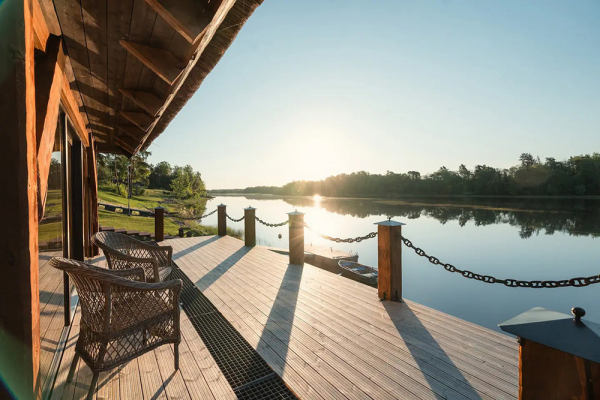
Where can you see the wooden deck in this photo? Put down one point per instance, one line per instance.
(331, 338)
(326, 336)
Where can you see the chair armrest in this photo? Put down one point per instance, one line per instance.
(121, 261)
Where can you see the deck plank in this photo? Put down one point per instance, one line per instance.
(313, 317)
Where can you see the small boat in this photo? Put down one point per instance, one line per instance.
(358, 272)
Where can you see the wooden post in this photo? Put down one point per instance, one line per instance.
(296, 237)
(389, 260)
(159, 224)
(222, 220)
(249, 226)
(19, 286)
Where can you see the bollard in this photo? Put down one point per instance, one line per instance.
(389, 260)
(249, 226)
(222, 220)
(296, 237)
(180, 232)
(159, 224)
(559, 355)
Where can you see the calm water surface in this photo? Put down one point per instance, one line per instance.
(543, 240)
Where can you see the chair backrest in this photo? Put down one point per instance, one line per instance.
(116, 242)
(92, 287)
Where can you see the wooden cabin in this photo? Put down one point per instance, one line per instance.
(78, 78)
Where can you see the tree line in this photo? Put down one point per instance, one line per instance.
(113, 172)
(576, 176)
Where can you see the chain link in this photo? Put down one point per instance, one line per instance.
(576, 282)
(271, 225)
(338, 240)
(233, 219)
(192, 218)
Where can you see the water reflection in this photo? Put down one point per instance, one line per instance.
(529, 217)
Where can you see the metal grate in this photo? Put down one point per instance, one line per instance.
(245, 370)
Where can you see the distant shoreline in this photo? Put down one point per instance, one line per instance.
(414, 196)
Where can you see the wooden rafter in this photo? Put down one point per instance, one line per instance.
(132, 131)
(40, 28)
(188, 17)
(141, 120)
(146, 100)
(162, 62)
(125, 144)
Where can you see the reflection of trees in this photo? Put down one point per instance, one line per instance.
(530, 216)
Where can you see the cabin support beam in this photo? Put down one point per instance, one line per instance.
(19, 286)
(93, 186)
(162, 62)
(188, 17)
(48, 85)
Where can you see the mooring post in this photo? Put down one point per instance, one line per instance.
(249, 226)
(159, 224)
(222, 220)
(389, 260)
(296, 222)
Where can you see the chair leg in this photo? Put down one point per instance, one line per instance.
(73, 367)
(176, 356)
(90, 395)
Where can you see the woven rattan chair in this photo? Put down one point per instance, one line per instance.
(122, 317)
(124, 252)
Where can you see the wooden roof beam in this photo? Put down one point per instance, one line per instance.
(72, 109)
(146, 100)
(132, 131)
(188, 17)
(40, 28)
(140, 120)
(162, 62)
(124, 143)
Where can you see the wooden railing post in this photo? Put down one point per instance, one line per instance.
(389, 260)
(222, 224)
(296, 237)
(159, 224)
(250, 226)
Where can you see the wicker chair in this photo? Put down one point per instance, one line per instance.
(123, 252)
(122, 317)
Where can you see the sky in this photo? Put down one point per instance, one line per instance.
(313, 88)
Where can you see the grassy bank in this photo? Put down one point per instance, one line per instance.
(149, 200)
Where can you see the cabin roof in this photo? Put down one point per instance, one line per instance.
(135, 63)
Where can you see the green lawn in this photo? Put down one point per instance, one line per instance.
(142, 224)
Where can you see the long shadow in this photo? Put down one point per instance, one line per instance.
(195, 247)
(285, 302)
(411, 329)
(214, 274)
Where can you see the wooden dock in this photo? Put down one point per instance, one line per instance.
(326, 336)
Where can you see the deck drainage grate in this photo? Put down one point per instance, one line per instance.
(245, 370)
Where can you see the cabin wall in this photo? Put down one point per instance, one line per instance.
(34, 82)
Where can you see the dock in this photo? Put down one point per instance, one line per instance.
(327, 337)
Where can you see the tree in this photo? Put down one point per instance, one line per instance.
(527, 160)
(187, 183)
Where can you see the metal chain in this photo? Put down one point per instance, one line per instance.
(194, 218)
(338, 240)
(271, 225)
(576, 282)
(235, 220)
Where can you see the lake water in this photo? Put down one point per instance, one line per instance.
(524, 239)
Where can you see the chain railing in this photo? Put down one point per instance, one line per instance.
(339, 240)
(271, 225)
(576, 282)
(235, 220)
(191, 218)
